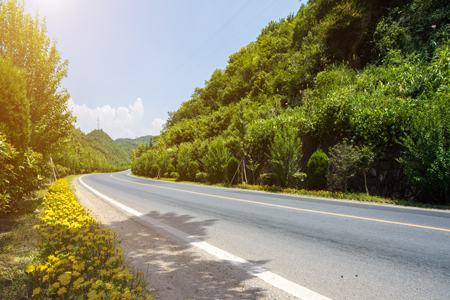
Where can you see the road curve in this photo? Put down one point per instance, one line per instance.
(342, 250)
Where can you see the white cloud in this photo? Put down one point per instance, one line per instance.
(121, 122)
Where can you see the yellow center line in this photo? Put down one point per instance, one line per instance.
(289, 207)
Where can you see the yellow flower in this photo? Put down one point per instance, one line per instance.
(55, 285)
(96, 284)
(36, 291)
(29, 269)
(139, 289)
(64, 279)
(92, 295)
(108, 286)
(148, 297)
(62, 291)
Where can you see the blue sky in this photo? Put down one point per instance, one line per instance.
(130, 62)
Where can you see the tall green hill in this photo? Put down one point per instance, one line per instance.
(103, 139)
(370, 71)
(83, 154)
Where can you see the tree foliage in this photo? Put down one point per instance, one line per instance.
(232, 170)
(344, 159)
(24, 40)
(427, 159)
(318, 170)
(359, 70)
(285, 152)
(216, 160)
(15, 108)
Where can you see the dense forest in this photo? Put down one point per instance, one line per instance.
(128, 144)
(38, 139)
(345, 95)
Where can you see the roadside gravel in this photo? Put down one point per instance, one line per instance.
(176, 270)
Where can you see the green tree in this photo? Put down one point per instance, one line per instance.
(216, 160)
(25, 41)
(252, 166)
(148, 160)
(232, 170)
(344, 159)
(7, 154)
(365, 164)
(15, 115)
(184, 158)
(318, 170)
(164, 161)
(155, 171)
(286, 152)
(193, 170)
(140, 150)
(427, 157)
(170, 169)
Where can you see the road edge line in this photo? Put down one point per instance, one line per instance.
(269, 277)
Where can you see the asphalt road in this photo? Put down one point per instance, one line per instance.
(339, 249)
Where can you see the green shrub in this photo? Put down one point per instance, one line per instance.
(427, 158)
(163, 161)
(148, 160)
(193, 170)
(184, 158)
(155, 171)
(166, 175)
(299, 180)
(286, 151)
(170, 169)
(267, 179)
(232, 170)
(318, 170)
(216, 160)
(202, 177)
(344, 159)
(174, 175)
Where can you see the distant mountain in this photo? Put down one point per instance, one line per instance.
(85, 153)
(129, 144)
(105, 141)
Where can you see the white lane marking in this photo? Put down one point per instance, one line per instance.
(269, 277)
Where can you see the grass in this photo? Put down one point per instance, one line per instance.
(360, 197)
(18, 241)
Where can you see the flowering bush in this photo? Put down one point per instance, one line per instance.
(79, 259)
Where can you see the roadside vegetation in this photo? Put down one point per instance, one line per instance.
(53, 249)
(38, 139)
(365, 83)
(349, 196)
(18, 240)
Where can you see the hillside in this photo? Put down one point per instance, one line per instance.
(82, 154)
(103, 139)
(129, 144)
(364, 74)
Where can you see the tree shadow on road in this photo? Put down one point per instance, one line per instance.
(177, 269)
